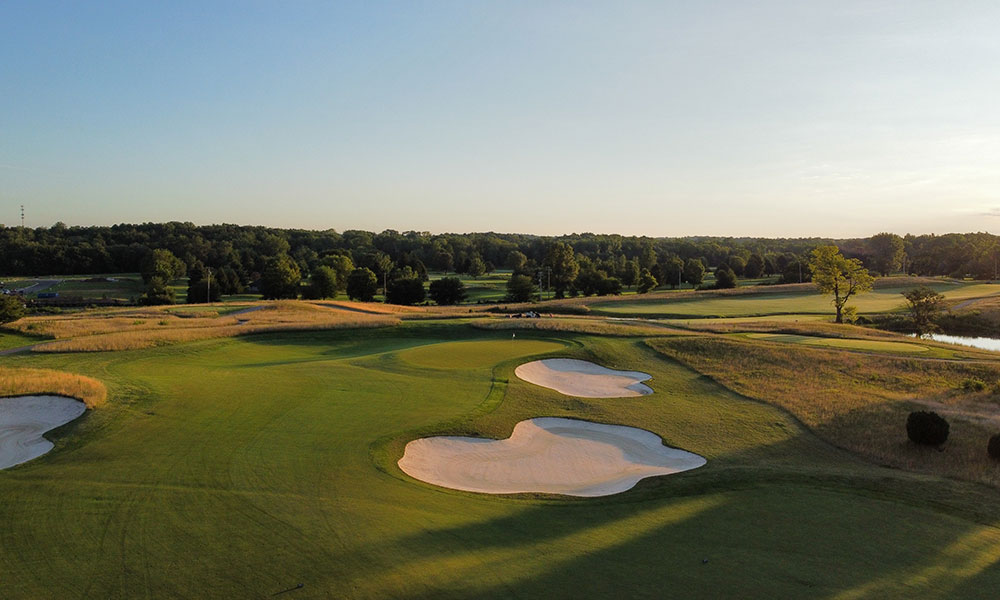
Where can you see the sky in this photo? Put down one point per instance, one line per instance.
(664, 118)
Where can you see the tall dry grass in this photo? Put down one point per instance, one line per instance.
(860, 402)
(15, 381)
(145, 329)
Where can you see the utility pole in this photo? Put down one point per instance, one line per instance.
(548, 283)
(540, 285)
(800, 270)
(22, 216)
(209, 280)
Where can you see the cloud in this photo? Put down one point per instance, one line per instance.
(991, 212)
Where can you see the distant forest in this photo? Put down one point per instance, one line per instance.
(241, 253)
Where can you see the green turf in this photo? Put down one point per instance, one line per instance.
(240, 468)
(880, 300)
(471, 355)
(10, 339)
(841, 343)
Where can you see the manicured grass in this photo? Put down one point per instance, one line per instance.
(842, 343)
(10, 339)
(471, 355)
(242, 467)
(879, 300)
(123, 287)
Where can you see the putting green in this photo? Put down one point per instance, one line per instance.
(841, 343)
(473, 355)
(239, 468)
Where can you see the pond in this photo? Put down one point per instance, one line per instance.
(985, 343)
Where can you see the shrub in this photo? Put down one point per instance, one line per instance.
(973, 385)
(993, 448)
(927, 428)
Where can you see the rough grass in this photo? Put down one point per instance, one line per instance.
(116, 331)
(30, 382)
(842, 343)
(860, 402)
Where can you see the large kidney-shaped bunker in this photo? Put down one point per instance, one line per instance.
(23, 420)
(584, 379)
(547, 454)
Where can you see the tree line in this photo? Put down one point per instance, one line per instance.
(228, 259)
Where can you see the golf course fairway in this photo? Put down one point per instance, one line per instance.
(241, 468)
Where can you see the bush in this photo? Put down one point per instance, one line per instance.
(927, 428)
(973, 385)
(993, 448)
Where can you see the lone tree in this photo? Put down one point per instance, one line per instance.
(11, 308)
(406, 291)
(925, 305)
(280, 279)
(323, 282)
(520, 288)
(840, 276)
(562, 261)
(362, 285)
(447, 291)
(694, 271)
(725, 278)
(646, 281)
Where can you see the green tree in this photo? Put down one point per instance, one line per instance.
(840, 276)
(725, 278)
(476, 267)
(157, 292)
(694, 271)
(925, 305)
(342, 267)
(202, 291)
(886, 252)
(163, 264)
(561, 260)
(736, 264)
(323, 282)
(520, 288)
(672, 269)
(281, 278)
(11, 308)
(630, 273)
(447, 291)
(754, 267)
(515, 260)
(646, 281)
(406, 291)
(362, 284)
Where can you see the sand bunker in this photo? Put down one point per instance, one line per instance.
(547, 454)
(584, 379)
(24, 419)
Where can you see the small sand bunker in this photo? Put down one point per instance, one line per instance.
(24, 419)
(548, 454)
(584, 379)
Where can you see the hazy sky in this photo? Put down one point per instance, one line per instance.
(660, 118)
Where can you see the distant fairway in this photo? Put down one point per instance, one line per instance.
(842, 343)
(241, 467)
(766, 303)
